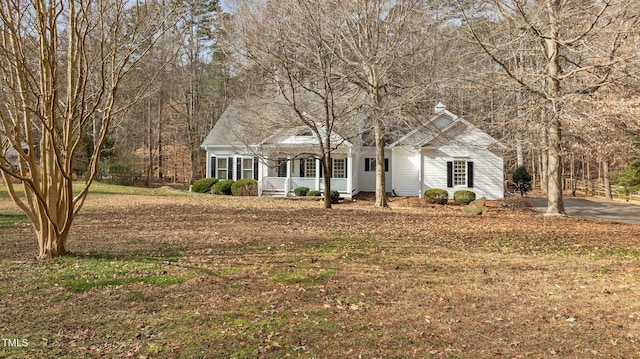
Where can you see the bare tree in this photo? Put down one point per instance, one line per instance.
(376, 43)
(291, 44)
(62, 63)
(577, 53)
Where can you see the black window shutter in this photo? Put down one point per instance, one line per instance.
(255, 168)
(386, 165)
(229, 167)
(367, 164)
(302, 167)
(449, 174)
(321, 168)
(470, 174)
(238, 168)
(214, 162)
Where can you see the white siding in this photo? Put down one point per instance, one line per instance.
(488, 175)
(434, 170)
(406, 172)
(367, 180)
(487, 172)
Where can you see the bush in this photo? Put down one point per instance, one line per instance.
(522, 180)
(301, 191)
(464, 196)
(436, 196)
(203, 185)
(313, 193)
(222, 187)
(244, 187)
(335, 196)
(119, 174)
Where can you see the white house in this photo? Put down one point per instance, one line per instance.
(445, 152)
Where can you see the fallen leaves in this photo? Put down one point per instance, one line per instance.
(273, 277)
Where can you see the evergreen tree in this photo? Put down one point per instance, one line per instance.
(522, 180)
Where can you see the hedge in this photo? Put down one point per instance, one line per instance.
(244, 187)
(436, 196)
(203, 185)
(464, 196)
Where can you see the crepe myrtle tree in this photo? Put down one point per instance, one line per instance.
(62, 64)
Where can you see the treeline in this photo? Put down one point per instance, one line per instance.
(556, 81)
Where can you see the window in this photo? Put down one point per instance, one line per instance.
(247, 167)
(370, 165)
(282, 167)
(309, 167)
(222, 168)
(213, 167)
(459, 173)
(339, 168)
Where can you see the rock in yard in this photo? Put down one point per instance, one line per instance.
(474, 208)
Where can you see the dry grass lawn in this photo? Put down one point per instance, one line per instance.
(202, 276)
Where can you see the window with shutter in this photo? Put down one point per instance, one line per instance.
(213, 167)
(459, 173)
(370, 165)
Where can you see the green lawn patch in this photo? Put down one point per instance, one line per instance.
(81, 273)
(10, 219)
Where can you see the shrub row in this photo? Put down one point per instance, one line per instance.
(203, 185)
(241, 187)
(441, 196)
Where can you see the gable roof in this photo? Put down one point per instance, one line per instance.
(226, 124)
(262, 123)
(446, 128)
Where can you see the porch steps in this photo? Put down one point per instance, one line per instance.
(272, 193)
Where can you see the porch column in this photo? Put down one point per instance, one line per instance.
(317, 174)
(287, 181)
(261, 175)
(349, 173)
(421, 174)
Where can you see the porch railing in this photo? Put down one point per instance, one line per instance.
(286, 185)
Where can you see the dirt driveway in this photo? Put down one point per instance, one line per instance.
(594, 208)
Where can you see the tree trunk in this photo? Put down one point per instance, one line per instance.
(381, 186)
(607, 181)
(160, 164)
(552, 52)
(519, 154)
(544, 172)
(50, 243)
(147, 181)
(555, 205)
(326, 168)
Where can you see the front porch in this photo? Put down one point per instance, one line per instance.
(285, 186)
(282, 175)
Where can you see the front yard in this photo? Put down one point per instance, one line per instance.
(202, 276)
